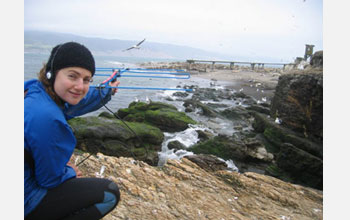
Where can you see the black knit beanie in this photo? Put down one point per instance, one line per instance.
(69, 54)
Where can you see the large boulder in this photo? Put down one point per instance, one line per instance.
(294, 129)
(112, 137)
(302, 167)
(277, 135)
(298, 102)
(248, 154)
(298, 159)
(205, 110)
(207, 162)
(164, 116)
(237, 113)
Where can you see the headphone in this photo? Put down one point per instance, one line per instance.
(49, 74)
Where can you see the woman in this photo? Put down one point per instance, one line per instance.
(54, 188)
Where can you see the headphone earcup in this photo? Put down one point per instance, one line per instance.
(48, 75)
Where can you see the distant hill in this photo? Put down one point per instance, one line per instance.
(38, 41)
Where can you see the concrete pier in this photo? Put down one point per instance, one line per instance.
(232, 63)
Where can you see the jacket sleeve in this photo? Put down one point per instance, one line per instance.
(93, 100)
(52, 144)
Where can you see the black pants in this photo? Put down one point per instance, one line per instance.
(78, 198)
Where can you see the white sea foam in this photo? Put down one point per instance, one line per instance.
(187, 137)
(231, 165)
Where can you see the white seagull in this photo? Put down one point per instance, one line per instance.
(278, 121)
(137, 46)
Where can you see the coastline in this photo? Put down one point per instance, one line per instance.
(258, 84)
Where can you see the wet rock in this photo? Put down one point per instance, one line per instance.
(182, 190)
(220, 146)
(205, 94)
(303, 168)
(259, 108)
(217, 105)
(205, 99)
(204, 135)
(112, 137)
(236, 113)
(240, 95)
(256, 149)
(296, 142)
(189, 109)
(169, 120)
(181, 94)
(208, 162)
(169, 99)
(176, 145)
(299, 159)
(246, 157)
(106, 115)
(191, 105)
(162, 115)
(298, 101)
(278, 135)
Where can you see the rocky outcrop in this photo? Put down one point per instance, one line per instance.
(161, 115)
(291, 150)
(277, 135)
(298, 159)
(298, 102)
(304, 168)
(176, 145)
(297, 139)
(140, 136)
(182, 190)
(191, 105)
(247, 154)
(208, 162)
(112, 137)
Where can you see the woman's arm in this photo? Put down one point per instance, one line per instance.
(51, 143)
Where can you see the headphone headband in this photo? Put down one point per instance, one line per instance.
(51, 72)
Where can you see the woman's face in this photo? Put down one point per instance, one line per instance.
(72, 84)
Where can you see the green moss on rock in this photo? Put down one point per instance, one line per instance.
(113, 137)
(168, 119)
(275, 171)
(218, 146)
(162, 115)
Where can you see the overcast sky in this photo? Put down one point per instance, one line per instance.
(271, 28)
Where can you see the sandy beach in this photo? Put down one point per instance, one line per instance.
(258, 84)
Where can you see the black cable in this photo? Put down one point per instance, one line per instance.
(117, 117)
(84, 159)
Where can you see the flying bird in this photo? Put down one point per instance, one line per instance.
(137, 46)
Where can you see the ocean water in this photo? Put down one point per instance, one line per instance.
(33, 62)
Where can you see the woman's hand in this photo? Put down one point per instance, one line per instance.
(114, 84)
(79, 174)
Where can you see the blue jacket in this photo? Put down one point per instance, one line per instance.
(50, 140)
